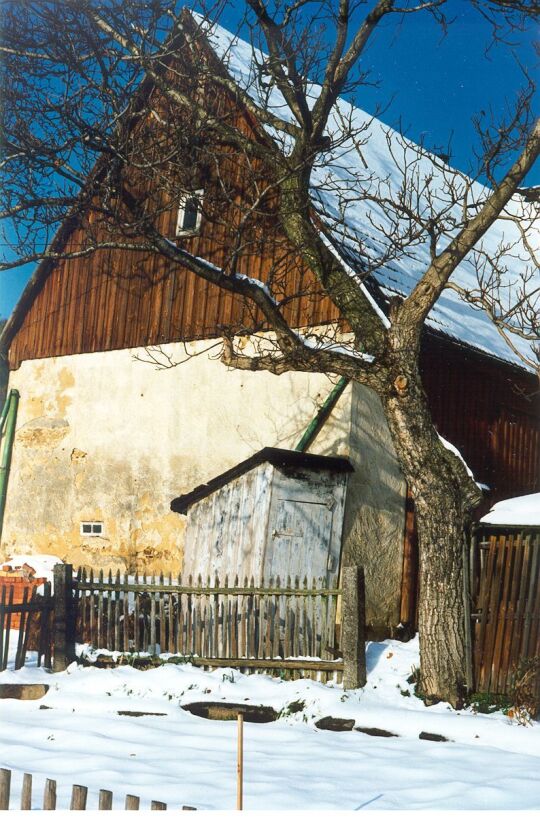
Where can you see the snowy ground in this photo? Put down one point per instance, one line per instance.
(491, 763)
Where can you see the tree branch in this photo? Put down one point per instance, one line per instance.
(416, 307)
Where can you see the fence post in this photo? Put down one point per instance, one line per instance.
(79, 795)
(132, 802)
(5, 784)
(64, 626)
(105, 800)
(49, 795)
(26, 793)
(353, 639)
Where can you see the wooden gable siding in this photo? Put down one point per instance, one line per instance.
(115, 299)
(489, 411)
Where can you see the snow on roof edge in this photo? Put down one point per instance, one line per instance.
(519, 511)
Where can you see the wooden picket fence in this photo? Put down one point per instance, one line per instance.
(234, 624)
(79, 797)
(505, 585)
(32, 616)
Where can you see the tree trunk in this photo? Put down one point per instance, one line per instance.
(444, 496)
(441, 614)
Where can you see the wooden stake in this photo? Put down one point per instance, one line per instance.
(5, 784)
(157, 805)
(79, 795)
(26, 793)
(49, 795)
(132, 802)
(105, 800)
(240, 764)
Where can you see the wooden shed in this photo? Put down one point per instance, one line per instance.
(277, 514)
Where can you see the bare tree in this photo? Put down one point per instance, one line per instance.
(116, 111)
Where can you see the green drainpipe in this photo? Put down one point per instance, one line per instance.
(322, 415)
(3, 416)
(8, 419)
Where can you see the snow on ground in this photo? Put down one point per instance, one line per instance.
(521, 510)
(490, 763)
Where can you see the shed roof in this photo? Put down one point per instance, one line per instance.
(519, 512)
(278, 457)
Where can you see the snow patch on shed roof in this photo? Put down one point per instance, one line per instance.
(522, 511)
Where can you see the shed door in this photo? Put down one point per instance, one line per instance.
(300, 534)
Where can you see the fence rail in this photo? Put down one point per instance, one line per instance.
(237, 621)
(505, 584)
(31, 616)
(79, 797)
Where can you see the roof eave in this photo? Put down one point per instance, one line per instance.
(278, 457)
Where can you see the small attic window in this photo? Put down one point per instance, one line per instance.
(91, 528)
(189, 213)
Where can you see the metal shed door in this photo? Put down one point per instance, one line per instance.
(300, 535)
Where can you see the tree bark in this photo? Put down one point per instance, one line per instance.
(445, 496)
(443, 662)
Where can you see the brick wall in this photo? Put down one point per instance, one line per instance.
(19, 579)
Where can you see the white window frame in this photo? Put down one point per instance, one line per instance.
(92, 532)
(194, 194)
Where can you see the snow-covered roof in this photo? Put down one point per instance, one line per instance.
(521, 511)
(362, 224)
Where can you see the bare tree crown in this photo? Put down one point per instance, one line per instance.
(113, 111)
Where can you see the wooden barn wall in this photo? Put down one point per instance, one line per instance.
(490, 411)
(114, 299)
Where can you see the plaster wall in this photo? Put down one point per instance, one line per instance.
(105, 437)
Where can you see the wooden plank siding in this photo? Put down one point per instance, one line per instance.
(506, 604)
(115, 299)
(490, 411)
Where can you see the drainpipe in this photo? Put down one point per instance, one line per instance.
(322, 415)
(8, 419)
(5, 410)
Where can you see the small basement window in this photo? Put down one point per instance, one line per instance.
(189, 213)
(91, 528)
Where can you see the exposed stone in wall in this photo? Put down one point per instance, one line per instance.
(43, 432)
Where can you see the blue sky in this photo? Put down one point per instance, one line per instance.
(433, 85)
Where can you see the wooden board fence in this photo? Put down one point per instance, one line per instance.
(79, 797)
(32, 616)
(237, 621)
(505, 579)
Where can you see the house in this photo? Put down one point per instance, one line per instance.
(110, 429)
